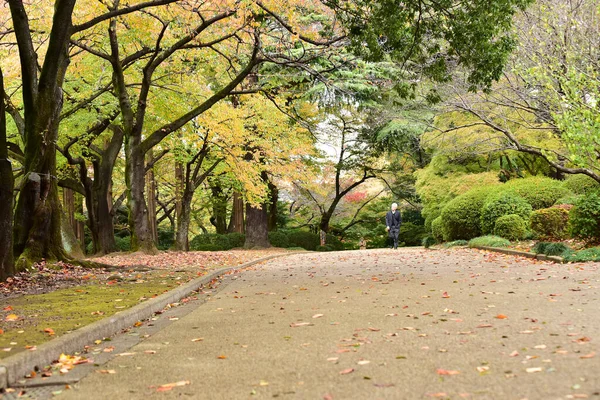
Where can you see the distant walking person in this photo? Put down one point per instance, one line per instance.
(393, 220)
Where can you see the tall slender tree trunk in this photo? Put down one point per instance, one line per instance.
(103, 214)
(183, 222)
(257, 223)
(273, 199)
(219, 217)
(179, 184)
(79, 225)
(151, 196)
(135, 176)
(236, 221)
(6, 196)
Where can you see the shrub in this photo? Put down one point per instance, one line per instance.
(335, 243)
(591, 254)
(217, 242)
(304, 239)
(551, 249)
(279, 239)
(504, 203)
(568, 200)
(456, 243)
(325, 248)
(511, 227)
(166, 238)
(437, 229)
(489, 241)
(539, 192)
(461, 217)
(123, 243)
(584, 218)
(411, 234)
(428, 241)
(550, 223)
(581, 184)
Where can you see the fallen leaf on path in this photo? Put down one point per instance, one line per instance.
(439, 394)
(317, 315)
(109, 349)
(447, 372)
(150, 352)
(169, 386)
(363, 362)
(591, 355)
(346, 371)
(125, 354)
(535, 369)
(501, 316)
(263, 383)
(107, 371)
(484, 326)
(198, 339)
(445, 295)
(374, 329)
(514, 354)
(221, 357)
(297, 324)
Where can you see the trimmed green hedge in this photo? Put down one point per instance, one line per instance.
(511, 227)
(584, 218)
(279, 239)
(581, 184)
(461, 217)
(217, 242)
(502, 204)
(591, 254)
(539, 192)
(437, 229)
(411, 234)
(550, 223)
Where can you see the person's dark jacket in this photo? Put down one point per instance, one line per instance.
(393, 220)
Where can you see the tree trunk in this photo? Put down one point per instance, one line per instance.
(79, 225)
(135, 175)
(179, 183)
(257, 227)
(219, 217)
(236, 221)
(324, 227)
(6, 197)
(273, 199)
(183, 222)
(151, 196)
(38, 233)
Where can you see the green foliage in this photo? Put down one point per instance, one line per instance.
(413, 216)
(550, 223)
(279, 239)
(511, 227)
(306, 240)
(166, 238)
(461, 218)
(437, 229)
(489, 241)
(411, 234)
(568, 200)
(325, 248)
(456, 243)
(540, 192)
(217, 242)
(581, 184)
(584, 218)
(428, 241)
(591, 254)
(551, 249)
(333, 242)
(501, 204)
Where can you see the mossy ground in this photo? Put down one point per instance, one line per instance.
(66, 310)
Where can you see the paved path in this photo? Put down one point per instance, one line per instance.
(376, 325)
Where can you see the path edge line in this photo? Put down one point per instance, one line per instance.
(16, 367)
(511, 252)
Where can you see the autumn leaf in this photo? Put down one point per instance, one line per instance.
(168, 386)
(297, 324)
(484, 326)
(221, 357)
(346, 371)
(107, 371)
(1, 331)
(446, 372)
(317, 315)
(591, 355)
(445, 295)
(198, 339)
(11, 317)
(49, 331)
(8, 308)
(501, 316)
